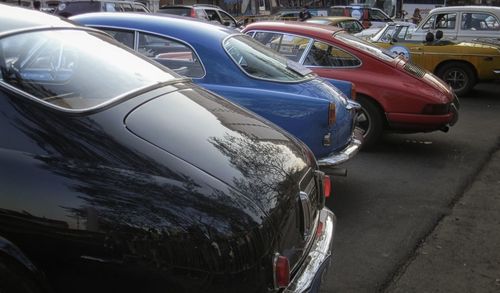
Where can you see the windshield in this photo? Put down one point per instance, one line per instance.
(74, 69)
(261, 62)
(365, 46)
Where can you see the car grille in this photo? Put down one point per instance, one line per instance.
(414, 69)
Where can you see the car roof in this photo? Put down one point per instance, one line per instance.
(184, 28)
(335, 19)
(306, 28)
(467, 8)
(15, 18)
(189, 6)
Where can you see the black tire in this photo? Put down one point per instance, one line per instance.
(459, 75)
(370, 121)
(16, 279)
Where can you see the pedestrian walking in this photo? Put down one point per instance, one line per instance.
(416, 18)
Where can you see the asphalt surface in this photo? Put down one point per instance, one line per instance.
(398, 195)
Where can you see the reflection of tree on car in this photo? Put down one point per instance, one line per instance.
(120, 175)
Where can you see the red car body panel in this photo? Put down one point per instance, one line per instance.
(401, 95)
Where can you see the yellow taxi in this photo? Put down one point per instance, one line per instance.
(461, 65)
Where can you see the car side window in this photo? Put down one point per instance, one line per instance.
(126, 7)
(351, 26)
(446, 21)
(227, 20)
(290, 46)
(200, 13)
(110, 7)
(123, 36)
(376, 15)
(213, 15)
(324, 55)
(172, 54)
(479, 21)
(429, 24)
(139, 8)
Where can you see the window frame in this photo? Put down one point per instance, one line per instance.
(136, 43)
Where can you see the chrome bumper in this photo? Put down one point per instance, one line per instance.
(347, 153)
(308, 278)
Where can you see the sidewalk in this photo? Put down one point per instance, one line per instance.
(462, 254)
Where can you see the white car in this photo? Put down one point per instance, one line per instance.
(460, 23)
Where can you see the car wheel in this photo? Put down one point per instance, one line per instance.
(460, 76)
(370, 121)
(13, 279)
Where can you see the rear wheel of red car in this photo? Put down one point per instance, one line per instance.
(460, 76)
(14, 279)
(370, 121)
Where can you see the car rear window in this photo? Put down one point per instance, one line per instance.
(73, 69)
(261, 62)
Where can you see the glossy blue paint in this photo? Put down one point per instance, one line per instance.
(301, 108)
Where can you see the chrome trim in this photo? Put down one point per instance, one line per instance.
(345, 154)
(306, 214)
(496, 71)
(318, 257)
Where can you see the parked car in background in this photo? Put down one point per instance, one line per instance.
(293, 14)
(202, 11)
(119, 175)
(368, 16)
(460, 64)
(350, 24)
(460, 23)
(70, 8)
(369, 33)
(394, 94)
(235, 66)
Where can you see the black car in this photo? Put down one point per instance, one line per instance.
(206, 12)
(118, 175)
(70, 8)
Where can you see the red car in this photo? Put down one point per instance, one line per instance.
(394, 93)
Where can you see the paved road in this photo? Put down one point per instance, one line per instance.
(395, 195)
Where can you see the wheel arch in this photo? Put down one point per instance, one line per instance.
(464, 62)
(377, 104)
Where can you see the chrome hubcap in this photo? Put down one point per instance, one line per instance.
(363, 122)
(457, 79)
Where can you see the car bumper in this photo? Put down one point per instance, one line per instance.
(316, 264)
(345, 154)
(422, 122)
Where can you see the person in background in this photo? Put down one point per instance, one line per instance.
(416, 18)
(304, 13)
(37, 5)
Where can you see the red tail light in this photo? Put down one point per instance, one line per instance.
(332, 115)
(327, 186)
(193, 12)
(281, 268)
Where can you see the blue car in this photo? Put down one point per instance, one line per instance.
(235, 66)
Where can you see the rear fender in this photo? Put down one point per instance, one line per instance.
(344, 86)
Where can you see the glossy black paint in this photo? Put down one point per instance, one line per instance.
(86, 199)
